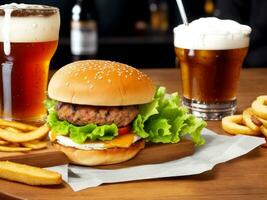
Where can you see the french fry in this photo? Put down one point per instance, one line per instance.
(264, 130)
(35, 144)
(3, 142)
(14, 130)
(28, 174)
(14, 145)
(17, 125)
(36, 134)
(14, 149)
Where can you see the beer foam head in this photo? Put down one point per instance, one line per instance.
(212, 34)
(17, 6)
(28, 23)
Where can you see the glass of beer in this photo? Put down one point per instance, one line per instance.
(211, 52)
(28, 40)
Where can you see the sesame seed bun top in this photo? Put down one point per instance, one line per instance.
(101, 83)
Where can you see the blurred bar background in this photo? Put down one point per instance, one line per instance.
(136, 32)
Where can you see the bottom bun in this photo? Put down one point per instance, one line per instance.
(100, 157)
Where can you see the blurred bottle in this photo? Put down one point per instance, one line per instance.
(159, 15)
(209, 7)
(84, 34)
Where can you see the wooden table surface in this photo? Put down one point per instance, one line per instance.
(242, 178)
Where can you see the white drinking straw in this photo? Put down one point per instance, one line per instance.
(182, 11)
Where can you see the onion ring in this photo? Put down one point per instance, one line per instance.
(251, 121)
(234, 125)
(263, 121)
(259, 107)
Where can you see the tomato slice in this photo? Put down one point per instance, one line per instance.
(124, 130)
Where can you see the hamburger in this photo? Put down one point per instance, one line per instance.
(103, 112)
(104, 96)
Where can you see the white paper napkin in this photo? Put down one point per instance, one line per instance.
(218, 149)
(62, 169)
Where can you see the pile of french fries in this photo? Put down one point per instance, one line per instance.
(20, 137)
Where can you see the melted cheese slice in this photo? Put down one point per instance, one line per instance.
(122, 141)
(52, 136)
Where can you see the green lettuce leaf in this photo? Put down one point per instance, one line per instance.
(138, 127)
(193, 129)
(164, 120)
(50, 104)
(78, 134)
(93, 132)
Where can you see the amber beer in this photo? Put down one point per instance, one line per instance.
(211, 53)
(214, 74)
(28, 40)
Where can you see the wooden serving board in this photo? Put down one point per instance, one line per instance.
(151, 154)
(40, 158)
(157, 153)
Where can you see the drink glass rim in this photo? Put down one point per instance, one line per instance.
(23, 10)
(245, 32)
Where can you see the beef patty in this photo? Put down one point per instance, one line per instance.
(100, 115)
